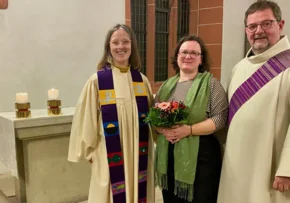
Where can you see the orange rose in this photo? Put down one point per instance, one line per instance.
(174, 105)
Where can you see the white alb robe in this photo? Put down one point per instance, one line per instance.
(87, 138)
(258, 142)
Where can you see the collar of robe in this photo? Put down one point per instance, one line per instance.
(123, 69)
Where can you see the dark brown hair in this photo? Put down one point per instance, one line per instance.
(205, 66)
(134, 59)
(263, 5)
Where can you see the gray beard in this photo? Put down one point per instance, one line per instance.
(258, 49)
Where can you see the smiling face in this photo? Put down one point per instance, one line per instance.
(189, 57)
(262, 39)
(120, 47)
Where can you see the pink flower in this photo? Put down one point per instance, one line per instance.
(164, 105)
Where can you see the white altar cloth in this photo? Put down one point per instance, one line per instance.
(9, 124)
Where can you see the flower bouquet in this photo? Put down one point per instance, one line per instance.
(167, 114)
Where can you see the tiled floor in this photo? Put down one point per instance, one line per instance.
(12, 200)
(158, 198)
(4, 199)
(7, 188)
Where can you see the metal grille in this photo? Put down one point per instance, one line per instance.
(183, 19)
(161, 40)
(138, 23)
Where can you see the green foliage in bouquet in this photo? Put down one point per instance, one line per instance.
(167, 114)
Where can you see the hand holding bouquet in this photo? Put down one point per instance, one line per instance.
(167, 114)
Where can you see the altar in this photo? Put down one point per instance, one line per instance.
(35, 151)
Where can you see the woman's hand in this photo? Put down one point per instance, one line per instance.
(177, 132)
(159, 129)
(165, 131)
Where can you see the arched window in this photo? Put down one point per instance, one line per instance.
(138, 23)
(161, 40)
(183, 19)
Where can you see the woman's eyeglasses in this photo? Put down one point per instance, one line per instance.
(192, 54)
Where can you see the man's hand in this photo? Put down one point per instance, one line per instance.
(281, 183)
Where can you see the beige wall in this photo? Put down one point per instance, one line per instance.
(45, 44)
(234, 35)
(285, 6)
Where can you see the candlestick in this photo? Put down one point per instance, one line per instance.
(54, 107)
(22, 105)
(21, 98)
(53, 94)
(22, 110)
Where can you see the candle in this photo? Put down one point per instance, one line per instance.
(21, 98)
(53, 94)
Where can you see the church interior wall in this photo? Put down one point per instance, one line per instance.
(52, 44)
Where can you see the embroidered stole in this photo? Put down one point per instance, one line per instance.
(115, 157)
(273, 67)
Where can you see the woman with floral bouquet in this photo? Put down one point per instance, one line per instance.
(188, 159)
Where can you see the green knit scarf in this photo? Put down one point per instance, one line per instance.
(186, 150)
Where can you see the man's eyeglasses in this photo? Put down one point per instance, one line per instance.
(192, 54)
(265, 25)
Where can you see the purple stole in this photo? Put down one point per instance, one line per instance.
(273, 67)
(109, 113)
